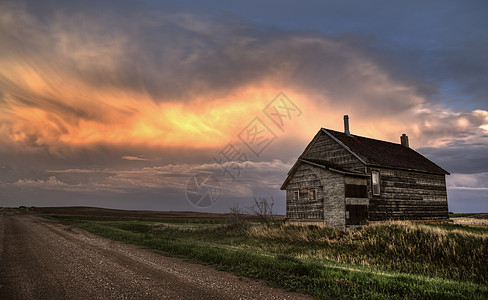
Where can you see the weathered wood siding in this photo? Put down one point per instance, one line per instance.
(329, 206)
(304, 209)
(328, 149)
(408, 195)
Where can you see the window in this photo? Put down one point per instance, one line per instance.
(375, 182)
(313, 194)
(296, 195)
(356, 191)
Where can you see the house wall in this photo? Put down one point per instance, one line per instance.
(408, 195)
(328, 208)
(328, 149)
(305, 177)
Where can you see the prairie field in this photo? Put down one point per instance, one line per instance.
(387, 260)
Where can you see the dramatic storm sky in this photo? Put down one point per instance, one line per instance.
(120, 103)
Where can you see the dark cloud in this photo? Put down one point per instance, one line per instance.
(465, 159)
(216, 52)
(180, 55)
(442, 42)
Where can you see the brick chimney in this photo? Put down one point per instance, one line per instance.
(404, 140)
(346, 125)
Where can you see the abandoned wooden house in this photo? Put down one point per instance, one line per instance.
(344, 180)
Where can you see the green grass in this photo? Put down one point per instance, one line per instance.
(386, 261)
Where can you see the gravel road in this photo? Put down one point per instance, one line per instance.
(42, 259)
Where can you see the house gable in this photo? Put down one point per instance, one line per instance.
(327, 206)
(325, 147)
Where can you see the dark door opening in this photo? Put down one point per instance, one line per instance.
(356, 214)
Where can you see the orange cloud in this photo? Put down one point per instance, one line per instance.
(60, 115)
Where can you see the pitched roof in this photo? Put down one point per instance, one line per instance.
(384, 154)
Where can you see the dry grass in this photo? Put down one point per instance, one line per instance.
(296, 233)
(440, 250)
(470, 221)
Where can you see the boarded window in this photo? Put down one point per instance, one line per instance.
(356, 214)
(356, 191)
(375, 182)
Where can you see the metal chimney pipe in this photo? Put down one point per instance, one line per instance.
(404, 140)
(346, 125)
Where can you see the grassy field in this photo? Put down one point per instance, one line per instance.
(393, 260)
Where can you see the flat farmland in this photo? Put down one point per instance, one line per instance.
(389, 260)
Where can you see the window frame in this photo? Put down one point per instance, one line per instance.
(312, 192)
(375, 173)
(297, 193)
